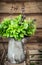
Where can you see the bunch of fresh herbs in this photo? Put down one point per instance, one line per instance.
(16, 28)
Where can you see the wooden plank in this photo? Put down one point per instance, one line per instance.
(33, 7)
(37, 59)
(33, 46)
(35, 52)
(29, 7)
(37, 17)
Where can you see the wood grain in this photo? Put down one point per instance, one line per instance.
(29, 7)
(35, 52)
(34, 46)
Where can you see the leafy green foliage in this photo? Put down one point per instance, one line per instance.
(17, 28)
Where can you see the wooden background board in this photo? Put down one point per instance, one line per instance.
(33, 10)
(29, 7)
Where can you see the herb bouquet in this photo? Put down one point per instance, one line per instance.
(16, 29)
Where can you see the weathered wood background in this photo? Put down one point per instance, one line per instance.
(33, 10)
